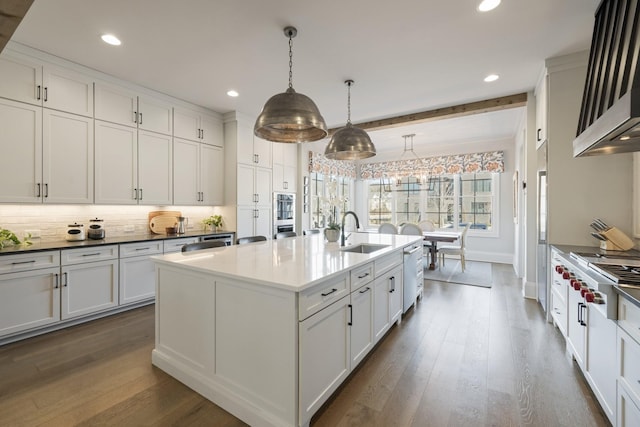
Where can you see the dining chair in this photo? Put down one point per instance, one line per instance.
(311, 231)
(250, 239)
(455, 250)
(427, 225)
(411, 229)
(203, 245)
(285, 234)
(387, 228)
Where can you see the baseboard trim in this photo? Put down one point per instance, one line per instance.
(529, 289)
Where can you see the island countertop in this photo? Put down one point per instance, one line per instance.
(295, 263)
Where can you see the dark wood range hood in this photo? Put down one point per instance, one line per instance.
(610, 114)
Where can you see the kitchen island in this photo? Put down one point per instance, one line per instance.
(269, 330)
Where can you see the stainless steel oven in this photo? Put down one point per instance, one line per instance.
(284, 212)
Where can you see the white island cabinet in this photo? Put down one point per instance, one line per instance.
(269, 330)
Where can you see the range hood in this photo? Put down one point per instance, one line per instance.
(609, 120)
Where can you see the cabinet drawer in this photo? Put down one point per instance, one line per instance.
(175, 245)
(142, 248)
(29, 261)
(389, 261)
(558, 306)
(629, 318)
(629, 369)
(361, 276)
(314, 299)
(97, 253)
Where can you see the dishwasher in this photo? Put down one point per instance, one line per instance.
(413, 284)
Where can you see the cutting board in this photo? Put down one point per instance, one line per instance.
(154, 214)
(159, 223)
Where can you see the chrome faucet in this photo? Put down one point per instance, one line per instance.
(344, 216)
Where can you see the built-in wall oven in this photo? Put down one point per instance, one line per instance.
(284, 212)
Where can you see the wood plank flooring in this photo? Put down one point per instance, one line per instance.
(467, 356)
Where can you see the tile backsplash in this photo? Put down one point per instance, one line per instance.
(51, 221)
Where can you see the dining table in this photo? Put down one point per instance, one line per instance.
(438, 236)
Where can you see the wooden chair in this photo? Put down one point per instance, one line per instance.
(455, 250)
(387, 228)
(202, 245)
(285, 234)
(250, 239)
(311, 231)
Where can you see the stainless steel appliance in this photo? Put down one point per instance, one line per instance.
(610, 115)
(284, 212)
(227, 238)
(412, 275)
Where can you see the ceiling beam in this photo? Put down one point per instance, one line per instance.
(11, 14)
(488, 105)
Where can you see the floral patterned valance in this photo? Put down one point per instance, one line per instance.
(320, 164)
(492, 161)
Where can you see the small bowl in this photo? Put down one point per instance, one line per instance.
(171, 230)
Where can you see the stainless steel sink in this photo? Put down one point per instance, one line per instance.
(364, 248)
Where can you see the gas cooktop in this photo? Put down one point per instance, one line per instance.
(622, 269)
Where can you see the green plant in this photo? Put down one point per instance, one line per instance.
(333, 226)
(213, 220)
(9, 237)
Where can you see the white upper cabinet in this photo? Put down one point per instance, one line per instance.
(25, 79)
(197, 126)
(198, 173)
(251, 149)
(541, 110)
(120, 105)
(285, 167)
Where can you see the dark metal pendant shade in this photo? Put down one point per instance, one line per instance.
(350, 143)
(290, 117)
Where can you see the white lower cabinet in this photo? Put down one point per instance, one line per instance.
(324, 355)
(137, 271)
(600, 359)
(29, 299)
(89, 280)
(387, 300)
(361, 322)
(628, 411)
(628, 405)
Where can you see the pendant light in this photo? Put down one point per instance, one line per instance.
(350, 142)
(290, 116)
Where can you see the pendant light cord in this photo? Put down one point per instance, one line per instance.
(290, 60)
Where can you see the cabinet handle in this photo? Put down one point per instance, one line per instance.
(330, 292)
(143, 249)
(392, 279)
(257, 213)
(256, 158)
(97, 253)
(350, 315)
(23, 262)
(367, 289)
(135, 194)
(140, 194)
(66, 279)
(38, 195)
(46, 94)
(202, 133)
(538, 135)
(38, 92)
(140, 119)
(135, 117)
(46, 190)
(363, 276)
(257, 198)
(286, 185)
(56, 286)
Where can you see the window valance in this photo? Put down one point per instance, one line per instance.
(491, 161)
(320, 164)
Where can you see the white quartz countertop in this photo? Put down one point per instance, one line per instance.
(295, 263)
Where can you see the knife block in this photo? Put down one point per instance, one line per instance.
(616, 240)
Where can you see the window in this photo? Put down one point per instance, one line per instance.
(329, 197)
(449, 201)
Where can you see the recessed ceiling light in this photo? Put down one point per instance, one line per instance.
(111, 39)
(487, 5)
(232, 93)
(491, 78)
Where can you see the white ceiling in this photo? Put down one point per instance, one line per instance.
(404, 55)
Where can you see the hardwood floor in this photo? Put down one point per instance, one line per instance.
(467, 356)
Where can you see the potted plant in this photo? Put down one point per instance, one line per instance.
(10, 238)
(214, 222)
(332, 231)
